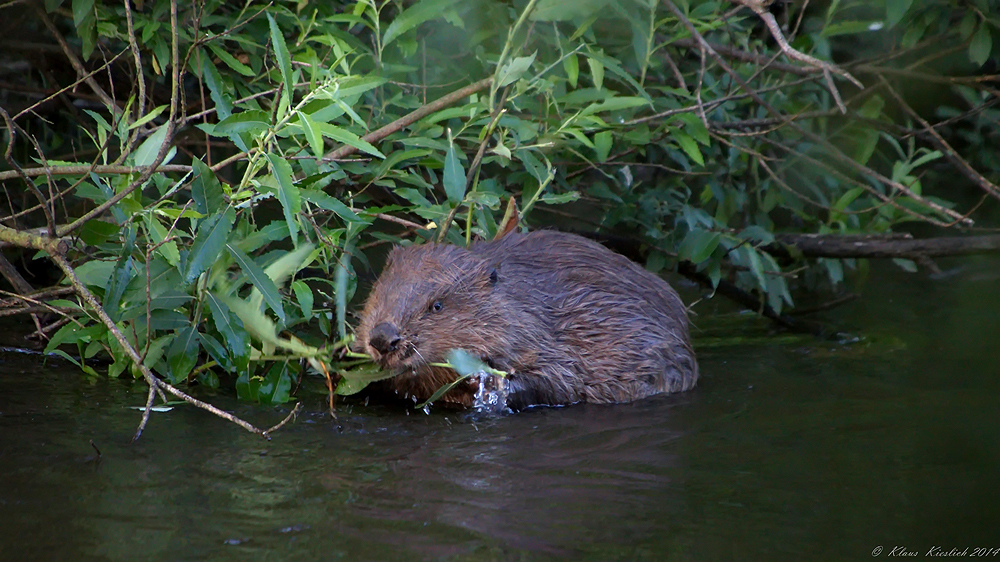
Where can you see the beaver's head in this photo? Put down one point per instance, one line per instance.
(429, 300)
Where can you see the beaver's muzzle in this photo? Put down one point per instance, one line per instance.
(384, 338)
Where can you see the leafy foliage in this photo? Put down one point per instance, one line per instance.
(602, 109)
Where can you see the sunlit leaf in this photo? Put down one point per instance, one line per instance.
(288, 193)
(454, 174)
(252, 121)
(344, 136)
(689, 146)
(147, 117)
(145, 155)
(571, 64)
(513, 70)
(313, 134)
(304, 296)
(260, 281)
(282, 56)
(596, 71)
(329, 203)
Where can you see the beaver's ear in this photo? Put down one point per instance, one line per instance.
(393, 254)
(494, 276)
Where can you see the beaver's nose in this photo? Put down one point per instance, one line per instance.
(384, 337)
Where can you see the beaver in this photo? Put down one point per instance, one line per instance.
(568, 320)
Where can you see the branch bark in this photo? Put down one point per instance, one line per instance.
(840, 246)
(413, 117)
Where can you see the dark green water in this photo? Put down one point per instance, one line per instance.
(789, 449)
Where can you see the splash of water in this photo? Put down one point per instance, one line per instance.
(491, 395)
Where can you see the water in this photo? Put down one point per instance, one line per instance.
(789, 449)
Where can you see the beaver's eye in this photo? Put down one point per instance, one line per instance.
(437, 306)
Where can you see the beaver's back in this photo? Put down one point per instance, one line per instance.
(586, 324)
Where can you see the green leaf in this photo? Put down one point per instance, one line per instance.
(229, 60)
(340, 288)
(313, 135)
(216, 351)
(85, 20)
(208, 244)
(350, 86)
(399, 156)
(145, 155)
(324, 201)
(895, 10)
(123, 273)
(602, 145)
(578, 135)
(596, 71)
(216, 90)
(454, 174)
(866, 140)
(95, 273)
(206, 189)
(852, 27)
(613, 104)
(73, 334)
(513, 70)
(253, 121)
(272, 232)
(261, 327)
(157, 234)
(559, 198)
(288, 265)
(357, 379)
(281, 54)
(96, 232)
(147, 117)
(981, 45)
(756, 267)
(465, 363)
(413, 16)
(262, 284)
(907, 265)
(344, 136)
(288, 193)
(845, 200)
(834, 269)
(689, 146)
(561, 10)
(571, 64)
(226, 324)
(968, 25)
(304, 296)
(276, 386)
(930, 156)
(183, 354)
(698, 245)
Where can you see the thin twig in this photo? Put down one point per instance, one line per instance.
(74, 61)
(413, 117)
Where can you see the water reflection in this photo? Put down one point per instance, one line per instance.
(789, 449)
(547, 480)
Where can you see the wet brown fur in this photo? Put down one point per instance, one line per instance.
(570, 320)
